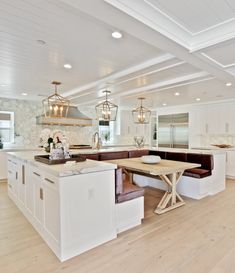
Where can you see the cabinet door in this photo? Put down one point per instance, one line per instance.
(230, 163)
(29, 190)
(229, 113)
(21, 184)
(3, 165)
(39, 197)
(51, 203)
(15, 177)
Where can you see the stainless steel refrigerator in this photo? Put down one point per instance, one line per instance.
(173, 130)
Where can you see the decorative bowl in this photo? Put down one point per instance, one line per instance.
(150, 159)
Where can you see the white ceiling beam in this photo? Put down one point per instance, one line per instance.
(123, 73)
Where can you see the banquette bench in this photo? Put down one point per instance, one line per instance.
(195, 183)
(206, 160)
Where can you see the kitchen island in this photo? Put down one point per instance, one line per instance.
(72, 207)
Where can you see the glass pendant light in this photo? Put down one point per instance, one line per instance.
(55, 105)
(106, 110)
(141, 114)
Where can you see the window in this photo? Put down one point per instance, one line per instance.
(7, 126)
(105, 130)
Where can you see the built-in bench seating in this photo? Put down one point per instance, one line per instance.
(206, 161)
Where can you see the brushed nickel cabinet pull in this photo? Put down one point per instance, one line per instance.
(23, 174)
(16, 175)
(41, 193)
(36, 174)
(48, 180)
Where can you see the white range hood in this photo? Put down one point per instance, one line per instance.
(74, 118)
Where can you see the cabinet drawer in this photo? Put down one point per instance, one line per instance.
(50, 180)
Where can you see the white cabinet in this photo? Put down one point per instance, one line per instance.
(29, 190)
(13, 177)
(3, 165)
(51, 203)
(21, 183)
(38, 197)
(129, 129)
(230, 164)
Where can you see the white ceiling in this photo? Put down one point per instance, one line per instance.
(184, 46)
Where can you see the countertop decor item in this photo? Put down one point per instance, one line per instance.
(141, 114)
(150, 159)
(106, 110)
(139, 141)
(46, 159)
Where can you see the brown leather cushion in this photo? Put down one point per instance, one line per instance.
(159, 153)
(91, 156)
(113, 155)
(206, 161)
(176, 156)
(130, 192)
(138, 153)
(197, 173)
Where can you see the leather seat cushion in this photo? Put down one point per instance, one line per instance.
(197, 173)
(138, 153)
(113, 155)
(159, 153)
(176, 156)
(91, 156)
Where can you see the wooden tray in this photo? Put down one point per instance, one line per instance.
(45, 159)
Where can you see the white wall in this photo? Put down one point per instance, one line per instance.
(27, 132)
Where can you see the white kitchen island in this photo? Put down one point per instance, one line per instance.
(73, 208)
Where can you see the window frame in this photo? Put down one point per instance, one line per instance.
(11, 128)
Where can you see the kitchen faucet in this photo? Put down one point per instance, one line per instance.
(96, 141)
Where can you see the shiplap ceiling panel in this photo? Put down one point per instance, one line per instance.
(196, 16)
(71, 37)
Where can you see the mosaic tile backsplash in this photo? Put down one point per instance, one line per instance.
(27, 132)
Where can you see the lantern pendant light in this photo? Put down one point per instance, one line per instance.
(106, 110)
(55, 105)
(141, 114)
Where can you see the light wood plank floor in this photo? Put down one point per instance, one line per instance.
(196, 238)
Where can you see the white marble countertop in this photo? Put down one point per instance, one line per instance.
(61, 170)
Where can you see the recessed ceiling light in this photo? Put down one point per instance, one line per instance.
(164, 104)
(177, 93)
(41, 42)
(67, 66)
(228, 84)
(116, 34)
(24, 94)
(198, 99)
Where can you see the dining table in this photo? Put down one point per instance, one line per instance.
(169, 171)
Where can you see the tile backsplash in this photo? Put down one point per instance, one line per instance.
(27, 132)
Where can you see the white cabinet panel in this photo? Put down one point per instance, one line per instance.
(3, 165)
(230, 164)
(39, 196)
(29, 190)
(21, 183)
(51, 203)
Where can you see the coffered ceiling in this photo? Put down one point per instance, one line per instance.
(183, 46)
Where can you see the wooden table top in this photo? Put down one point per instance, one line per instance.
(163, 167)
